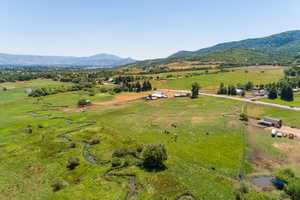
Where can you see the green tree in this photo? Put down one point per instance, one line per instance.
(222, 89)
(272, 93)
(154, 156)
(249, 86)
(195, 90)
(287, 93)
(138, 87)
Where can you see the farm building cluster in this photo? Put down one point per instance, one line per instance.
(161, 95)
(277, 128)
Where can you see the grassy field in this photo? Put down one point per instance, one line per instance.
(295, 103)
(18, 88)
(205, 160)
(258, 75)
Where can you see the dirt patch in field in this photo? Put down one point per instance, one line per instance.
(167, 120)
(118, 100)
(258, 157)
(292, 150)
(192, 106)
(124, 98)
(198, 119)
(264, 161)
(233, 124)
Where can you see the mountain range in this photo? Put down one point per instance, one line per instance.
(99, 60)
(279, 48)
(282, 49)
(284, 44)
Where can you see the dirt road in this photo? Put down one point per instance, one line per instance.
(237, 99)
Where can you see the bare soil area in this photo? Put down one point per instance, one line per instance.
(259, 158)
(292, 150)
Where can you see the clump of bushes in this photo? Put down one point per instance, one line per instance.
(258, 196)
(284, 175)
(73, 145)
(127, 151)
(293, 189)
(292, 183)
(29, 128)
(59, 185)
(94, 142)
(247, 192)
(243, 117)
(154, 156)
(115, 162)
(83, 102)
(73, 163)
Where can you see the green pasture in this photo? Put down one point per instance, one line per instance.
(212, 81)
(295, 103)
(205, 160)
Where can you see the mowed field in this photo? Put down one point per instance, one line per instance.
(205, 160)
(258, 75)
(295, 103)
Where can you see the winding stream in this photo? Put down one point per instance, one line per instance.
(132, 193)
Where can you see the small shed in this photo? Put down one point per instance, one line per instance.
(181, 95)
(239, 91)
(159, 95)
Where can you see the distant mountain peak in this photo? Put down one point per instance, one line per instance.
(105, 56)
(99, 60)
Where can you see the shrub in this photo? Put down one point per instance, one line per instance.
(29, 128)
(244, 188)
(94, 142)
(73, 163)
(117, 89)
(59, 185)
(120, 152)
(257, 196)
(284, 175)
(293, 189)
(37, 93)
(83, 102)
(139, 149)
(73, 145)
(154, 156)
(243, 117)
(115, 162)
(103, 90)
(92, 93)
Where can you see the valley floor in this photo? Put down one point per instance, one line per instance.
(209, 148)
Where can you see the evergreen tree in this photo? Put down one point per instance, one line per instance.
(138, 87)
(233, 90)
(249, 86)
(149, 85)
(195, 90)
(145, 86)
(222, 89)
(272, 93)
(229, 90)
(287, 93)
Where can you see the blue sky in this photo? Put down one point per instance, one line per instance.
(137, 28)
